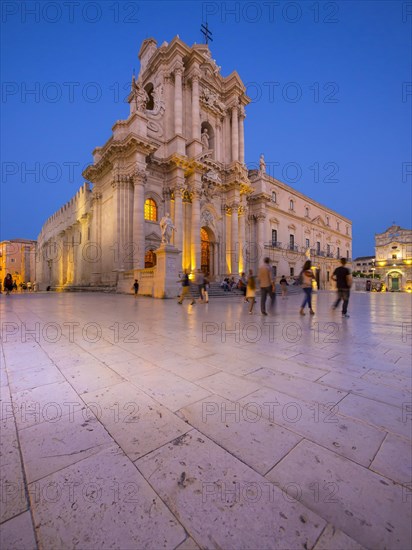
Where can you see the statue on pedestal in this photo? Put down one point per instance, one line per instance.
(262, 164)
(166, 227)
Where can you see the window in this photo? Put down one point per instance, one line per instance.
(347, 230)
(291, 205)
(273, 196)
(307, 212)
(327, 276)
(274, 237)
(337, 225)
(149, 258)
(292, 271)
(274, 271)
(150, 210)
(328, 249)
(338, 252)
(327, 220)
(317, 247)
(292, 242)
(347, 254)
(394, 257)
(307, 243)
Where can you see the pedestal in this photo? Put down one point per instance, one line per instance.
(167, 272)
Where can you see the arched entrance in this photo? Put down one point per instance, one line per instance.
(395, 280)
(207, 251)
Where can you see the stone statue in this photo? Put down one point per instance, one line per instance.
(166, 226)
(262, 164)
(205, 139)
(140, 96)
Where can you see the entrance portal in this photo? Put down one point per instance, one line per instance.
(204, 252)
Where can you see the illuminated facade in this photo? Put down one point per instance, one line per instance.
(393, 252)
(18, 257)
(181, 151)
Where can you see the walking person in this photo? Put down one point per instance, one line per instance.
(251, 291)
(200, 281)
(266, 286)
(136, 287)
(8, 283)
(343, 278)
(206, 289)
(284, 286)
(307, 277)
(242, 285)
(185, 289)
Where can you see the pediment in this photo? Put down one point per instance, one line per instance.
(320, 221)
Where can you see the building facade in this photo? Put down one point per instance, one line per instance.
(181, 151)
(18, 257)
(393, 252)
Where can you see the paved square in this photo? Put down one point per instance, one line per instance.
(138, 423)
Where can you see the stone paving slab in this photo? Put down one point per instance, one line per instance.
(319, 423)
(222, 502)
(108, 501)
(138, 423)
(253, 439)
(18, 533)
(345, 493)
(286, 385)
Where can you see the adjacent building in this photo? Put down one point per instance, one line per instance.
(393, 253)
(182, 151)
(18, 257)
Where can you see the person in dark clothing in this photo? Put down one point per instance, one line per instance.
(136, 287)
(8, 283)
(343, 278)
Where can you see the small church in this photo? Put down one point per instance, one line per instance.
(180, 156)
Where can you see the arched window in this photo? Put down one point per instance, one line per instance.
(291, 205)
(307, 212)
(150, 210)
(273, 196)
(149, 258)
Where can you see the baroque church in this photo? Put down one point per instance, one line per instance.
(181, 152)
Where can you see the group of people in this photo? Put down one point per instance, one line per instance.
(9, 285)
(248, 284)
(343, 278)
(201, 283)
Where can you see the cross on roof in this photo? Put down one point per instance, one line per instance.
(204, 29)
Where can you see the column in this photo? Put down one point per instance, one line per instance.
(116, 224)
(260, 219)
(178, 101)
(235, 134)
(178, 219)
(195, 230)
(195, 106)
(234, 238)
(95, 250)
(242, 265)
(138, 219)
(62, 258)
(227, 151)
(242, 135)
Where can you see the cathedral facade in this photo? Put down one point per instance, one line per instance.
(181, 152)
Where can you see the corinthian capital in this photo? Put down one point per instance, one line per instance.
(139, 176)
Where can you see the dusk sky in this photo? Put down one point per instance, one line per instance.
(330, 84)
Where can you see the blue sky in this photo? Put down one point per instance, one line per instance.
(331, 103)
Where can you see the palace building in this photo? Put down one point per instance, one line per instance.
(393, 252)
(182, 151)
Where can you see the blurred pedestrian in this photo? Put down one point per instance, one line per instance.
(185, 288)
(266, 282)
(251, 291)
(8, 283)
(136, 287)
(307, 277)
(343, 278)
(284, 286)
